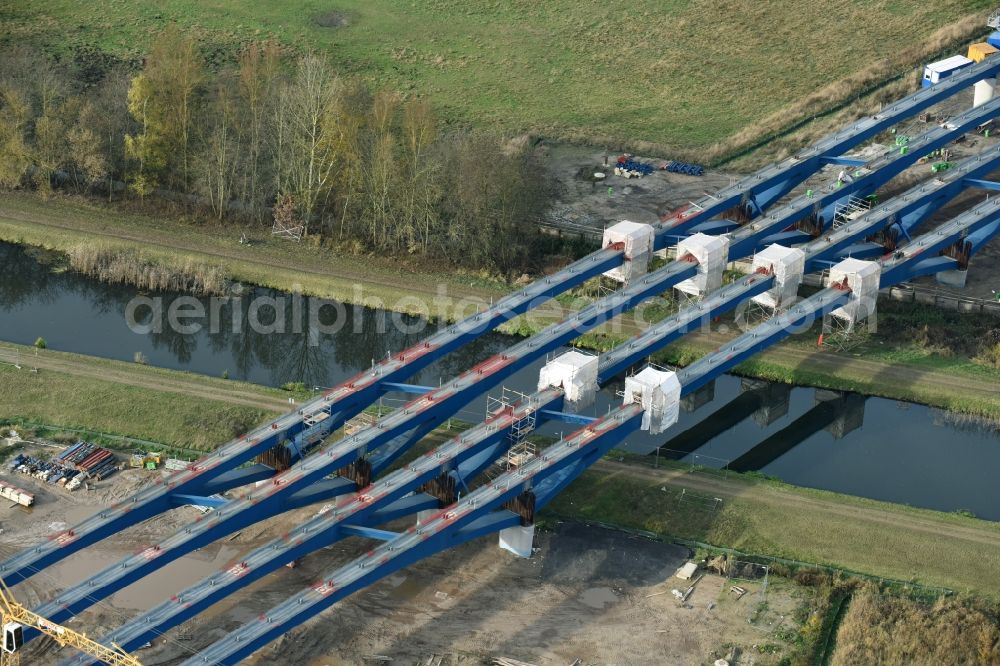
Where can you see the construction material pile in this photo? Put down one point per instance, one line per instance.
(15, 494)
(630, 167)
(70, 468)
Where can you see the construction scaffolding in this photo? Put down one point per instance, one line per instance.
(850, 210)
(521, 449)
(841, 328)
(711, 254)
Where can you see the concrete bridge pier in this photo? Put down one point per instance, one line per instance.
(518, 540)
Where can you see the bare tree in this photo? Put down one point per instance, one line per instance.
(215, 164)
(111, 122)
(85, 151)
(258, 72)
(312, 147)
(15, 155)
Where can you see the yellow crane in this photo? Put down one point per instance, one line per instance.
(14, 618)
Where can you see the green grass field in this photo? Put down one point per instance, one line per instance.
(182, 421)
(676, 74)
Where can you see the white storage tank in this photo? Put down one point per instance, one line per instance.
(787, 264)
(638, 241)
(863, 279)
(711, 253)
(659, 393)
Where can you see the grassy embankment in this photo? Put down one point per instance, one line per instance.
(150, 406)
(212, 254)
(897, 369)
(767, 517)
(760, 516)
(697, 80)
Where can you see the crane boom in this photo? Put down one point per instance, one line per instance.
(14, 617)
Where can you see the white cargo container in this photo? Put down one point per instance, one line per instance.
(936, 71)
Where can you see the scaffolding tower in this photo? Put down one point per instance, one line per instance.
(850, 210)
(521, 449)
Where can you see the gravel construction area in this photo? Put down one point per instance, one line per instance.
(588, 593)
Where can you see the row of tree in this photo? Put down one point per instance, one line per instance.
(273, 135)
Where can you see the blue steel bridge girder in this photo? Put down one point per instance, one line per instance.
(389, 453)
(235, 478)
(351, 396)
(339, 403)
(774, 181)
(199, 500)
(566, 417)
(270, 499)
(882, 115)
(478, 514)
(914, 205)
(387, 502)
(774, 330)
(721, 302)
(405, 506)
(914, 259)
(983, 184)
(767, 333)
(905, 211)
(368, 532)
(843, 161)
(819, 252)
(776, 226)
(696, 375)
(687, 320)
(982, 236)
(901, 266)
(398, 387)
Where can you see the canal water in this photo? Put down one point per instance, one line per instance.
(859, 445)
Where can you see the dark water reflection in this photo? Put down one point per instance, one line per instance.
(864, 446)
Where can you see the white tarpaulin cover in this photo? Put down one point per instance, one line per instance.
(712, 253)
(787, 264)
(638, 240)
(659, 392)
(863, 279)
(575, 372)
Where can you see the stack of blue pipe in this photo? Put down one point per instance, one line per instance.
(684, 167)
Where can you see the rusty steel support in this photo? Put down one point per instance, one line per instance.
(524, 506)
